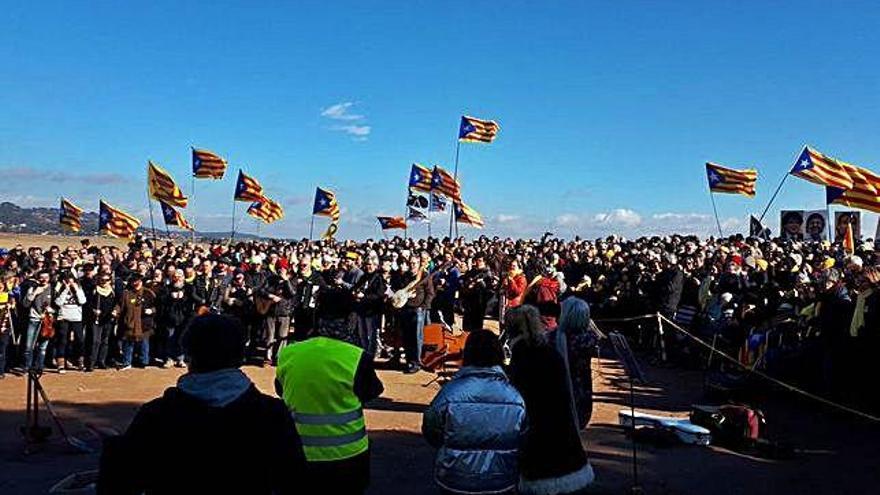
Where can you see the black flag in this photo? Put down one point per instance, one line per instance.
(757, 229)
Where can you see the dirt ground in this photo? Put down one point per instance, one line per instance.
(840, 454)
(10, 240)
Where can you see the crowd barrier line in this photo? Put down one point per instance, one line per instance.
(791, 388)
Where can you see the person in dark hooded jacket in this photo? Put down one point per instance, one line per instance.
(212, 433)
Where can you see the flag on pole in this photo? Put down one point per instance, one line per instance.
(438, 203)
(247, 188)
(445, 183)
(731, 181)
(173, 217)
(419, 178)
(267, 210)
(467, 215)
(114, 222)
(415, 215)
(473, 130)
(325, 204)
(821, 169)
(864, 194)
(162, 186)
(207, 164)
(389, 223)
(757, 229)
(70, 216)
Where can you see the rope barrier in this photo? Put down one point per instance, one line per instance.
(791, 388)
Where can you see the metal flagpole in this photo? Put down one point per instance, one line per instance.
(773, 198)
(232, 232)
(192, 195)
(312, 227)
(828, 220)
(718, 222)
(455, 177)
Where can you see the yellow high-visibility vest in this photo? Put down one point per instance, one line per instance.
(317, 378)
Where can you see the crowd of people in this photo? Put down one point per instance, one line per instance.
(803, 308)
(323, 311)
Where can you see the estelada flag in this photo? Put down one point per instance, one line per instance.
(821, 169)
(474, 130)
(445, 183)
(114, 222)
(162, 186)
(325, 204)
(70, 216)
(173, 217)
(247, 188)
(207, 164)
(467, 215)
(267, 210)
(864, 194)
(849, 241)
(419, 178)
(730, 180)
(389, 223)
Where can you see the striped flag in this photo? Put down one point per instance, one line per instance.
(473, 130)
(821, 169)
(267, 210)
(326, 204)
(864, 194)
(419, 178)
(173, 217)
(162, 186)
(389, 223)
(849, 241)
(467, 215)
(207, 164)
(114, 222)
(247, 188)
(731, 181)
(444, 183)
(70, 216)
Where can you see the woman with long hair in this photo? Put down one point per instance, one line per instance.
(553, 461)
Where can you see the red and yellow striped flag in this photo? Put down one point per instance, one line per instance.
(474, 130)
(821, 169)
(247, 188)
(207, 164)
(467, 215)
(114, 222)
(70, 216)
(731, 181)
(267, 210)
(162, 186)
(864, 194)
(173, 217)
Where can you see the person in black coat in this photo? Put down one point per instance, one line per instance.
(212, 433)
(371, 292)
(552, 460)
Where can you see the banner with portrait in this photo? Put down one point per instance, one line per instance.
(816, 225)
(844, 218)
(791, 225)
(417, 207)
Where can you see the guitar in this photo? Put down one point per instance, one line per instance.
(399, 298)
(263, 305)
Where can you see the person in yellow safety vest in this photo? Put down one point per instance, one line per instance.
(325, 380)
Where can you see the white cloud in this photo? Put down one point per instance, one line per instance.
(353, 130)
(339, 111)
(620, 216)
(502, 218)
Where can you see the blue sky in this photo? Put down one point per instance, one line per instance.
(608, 109)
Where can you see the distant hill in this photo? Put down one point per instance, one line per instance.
(15, 219)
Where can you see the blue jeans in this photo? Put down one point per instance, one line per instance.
(128, 351)
(412, 326)
(31, 339)
(368, 330)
